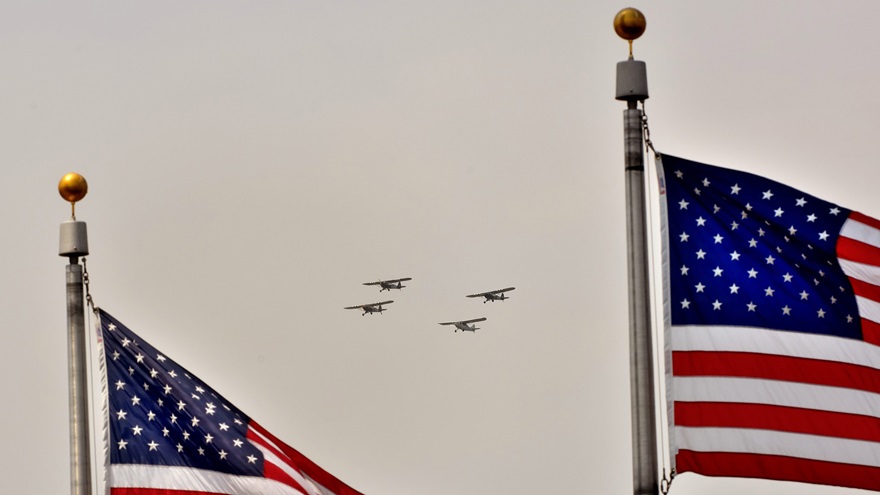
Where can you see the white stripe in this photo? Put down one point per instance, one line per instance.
(767, 341)
(860, 232)
(776, 392)
(868, 309)
(202, 480)
(860, 271)
(830, 449)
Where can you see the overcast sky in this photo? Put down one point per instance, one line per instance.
(252, 164)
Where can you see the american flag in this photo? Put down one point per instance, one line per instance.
(172, 434)
(773, 314)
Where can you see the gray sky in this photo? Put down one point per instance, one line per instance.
(251, 164)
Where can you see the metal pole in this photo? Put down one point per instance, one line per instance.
(73, 244)
(644, 429)
(80, 460)
(632, 87)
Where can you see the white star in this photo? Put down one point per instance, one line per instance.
(770, 259)
(752, 273)
(167, 389)
(679, 174)
(122, 444)
(734, 256)
(748, 207)
(697, 191)
(224, 426)
(180, 405)
(823, 235)
(165, 432)
(200, 390)
(716, 208)
(849, 319)
(801, 201)
(684, 270)
(701, 222)
(717, 271)
(706, 182)
(833, 300)
(718, 238)
(125, 342)
(792, 230)
(173, 418)
(787, 277)
(153, 373)
(137, 430)
(753, 242)
(760, 232)
(769, 292)
(111, 327)
(115, 355)
(223, 454)
(201, 451)
(179, 448)
(734, 289)
(251, 459)
(208, 438)
(743, 215)
(172, 374)
(195, 421)
(804, 295)
(237, 443)
(778, 212)
(751, 306)
(811, 218)
(767, 194)
(139, 358)
(196, 397)
(734, 189)
(160, 358)
(683, 205)
(120, 385)
(734, 225)
(786, 310)
(685, 304)
(821, 313)
(120, 415)
(716, 305)
(701, 254)
(153, 445)
(135, 400)
(210, 411)
(151, 416)
(237, 421)
(834, 211)
(185, 435)
(699, 287)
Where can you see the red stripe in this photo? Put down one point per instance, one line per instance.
(858, 251)
(865, 219)
(778, 468)
(864, 289)
(778, 418)
(775, 367)
(870, 331)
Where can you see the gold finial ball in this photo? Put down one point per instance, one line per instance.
(73, 187)
(629, 23)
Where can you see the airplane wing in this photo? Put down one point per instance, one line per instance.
(362, 306)
(499, 291)
(463, 321)
(391, 281)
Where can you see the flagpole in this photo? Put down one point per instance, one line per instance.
(632, 87)
(73, 244)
